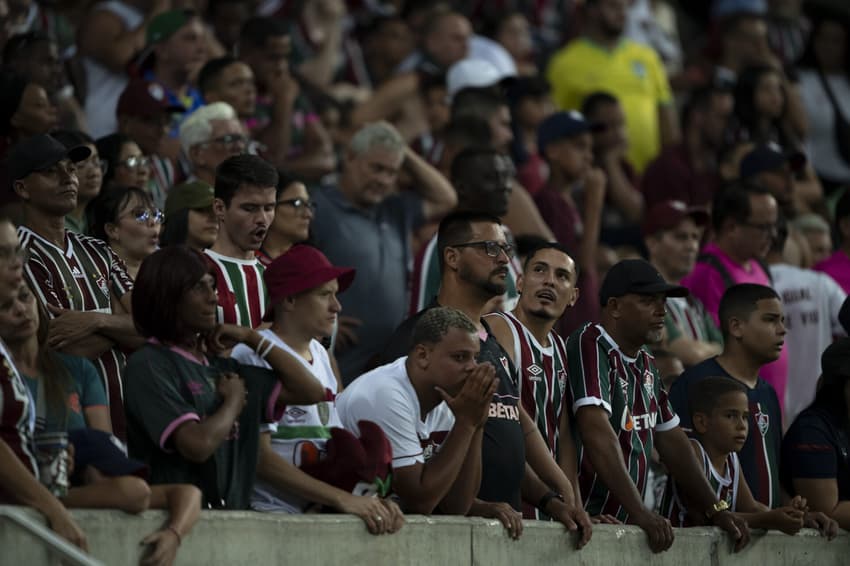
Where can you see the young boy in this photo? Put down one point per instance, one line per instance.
(720, 413)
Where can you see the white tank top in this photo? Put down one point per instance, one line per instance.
(103, 85)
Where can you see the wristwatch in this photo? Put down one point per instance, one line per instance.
(544, 501)
(718, 507)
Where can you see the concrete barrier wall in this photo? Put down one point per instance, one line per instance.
(255, 539)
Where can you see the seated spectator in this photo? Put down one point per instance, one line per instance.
(245, 188)
(284, 122)
(771, 167)
(126, 219)
(25, 110)
(443, 42)
(672, 234)
(229, 80)
(688, 171)
(189, 217)
(813, 461)
(18, 465)
(435, 455)
(110, 35)
(512, 31)
(363, 223)
(837, 265)
(226, 18)
(760, 114)
(90, 175)
(209, 135)
(171, 383)
(753, 328)
(293, 214)
(434, 98)
(817, 235)
(303, 286)
(145, 116)
(530, 105)
(89, 320)
(572, 200)
(125, 164)
(719, 409)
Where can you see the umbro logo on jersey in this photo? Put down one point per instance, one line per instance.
(534, 372)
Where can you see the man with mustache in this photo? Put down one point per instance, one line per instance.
(515, 463)
(547, 288)
(245, 204)
(620, 412)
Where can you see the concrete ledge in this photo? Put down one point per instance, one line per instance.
(257, 539)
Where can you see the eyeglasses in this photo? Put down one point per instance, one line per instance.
(299, 204)
(490, 247)
(135, 162)
(230, 141)
(145, 215)
(9, 254)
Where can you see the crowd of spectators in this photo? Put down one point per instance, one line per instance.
(584, 261)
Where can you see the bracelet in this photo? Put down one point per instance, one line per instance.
(544, 501)
(177, 534)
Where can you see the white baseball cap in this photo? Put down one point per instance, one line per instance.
(472, 73)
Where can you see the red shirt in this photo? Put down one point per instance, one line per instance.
(672, 177)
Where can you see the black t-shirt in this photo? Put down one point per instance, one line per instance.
(816, 447)
(163, 390)
(503, 444)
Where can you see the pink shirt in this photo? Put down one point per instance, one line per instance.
(837, 266)
(706, 284)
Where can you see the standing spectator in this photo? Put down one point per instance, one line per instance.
(618, 423)
(245, 204)
(229, 80)
(817, 235)
(566, 142)
(110, 35)
(193, 415)
(124, 162)
(760, 113)
(89, 320)
(90, 175)
(189, 217)
(603, 59)
(837, 265)
(672, 233)
(362, 223)
(18, 465)
(688, 171)
(209, 135)
(127, 220)
(753, 328)
(293, 215)
(811, 302)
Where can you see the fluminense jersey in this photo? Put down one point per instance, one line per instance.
(724, 484)
(543, 379)
(242, 296)
(82, 277)
(17, 418)
(630, 391)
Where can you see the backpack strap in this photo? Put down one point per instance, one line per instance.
(717, 265)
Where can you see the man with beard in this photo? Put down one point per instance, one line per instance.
(620, 412)
(366, 223)
(753, 327)
(606, 60)
(515, 463)
(546, 289)
(245, 204)
(83, 284)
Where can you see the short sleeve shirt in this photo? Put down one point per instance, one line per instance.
(242, 295)
(837, 266)
(630, 391)
(165, 389)
(17, 416)
(816, 447)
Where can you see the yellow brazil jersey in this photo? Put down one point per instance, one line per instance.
(632, 72)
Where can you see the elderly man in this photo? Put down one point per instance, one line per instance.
(364, 223)
(210, 135)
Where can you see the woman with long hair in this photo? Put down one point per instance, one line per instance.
(189, 216)
(125, 162)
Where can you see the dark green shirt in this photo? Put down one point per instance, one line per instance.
(165, 389)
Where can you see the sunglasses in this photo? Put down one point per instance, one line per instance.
(135, 162)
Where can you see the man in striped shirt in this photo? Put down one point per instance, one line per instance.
(84, 285)
(620, 410)
(244, 203)
(672, 232)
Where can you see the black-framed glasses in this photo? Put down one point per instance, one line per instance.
(490, 247)
(230, 140)
(135, 162)
(300, 205)
(145, 215)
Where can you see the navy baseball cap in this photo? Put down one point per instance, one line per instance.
(40, 152)
(769, 157)
(563, 125)
(636, 276)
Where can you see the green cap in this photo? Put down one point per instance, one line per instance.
(194, 195)
(166, 24)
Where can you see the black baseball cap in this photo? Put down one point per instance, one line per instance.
(636, 276)
(769, 157)
(40, 152)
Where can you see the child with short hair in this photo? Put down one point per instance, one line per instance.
(720, 411)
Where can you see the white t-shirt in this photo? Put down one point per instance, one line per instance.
(811, 301)
(386, 397)
(301, 425)
(822, 149)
